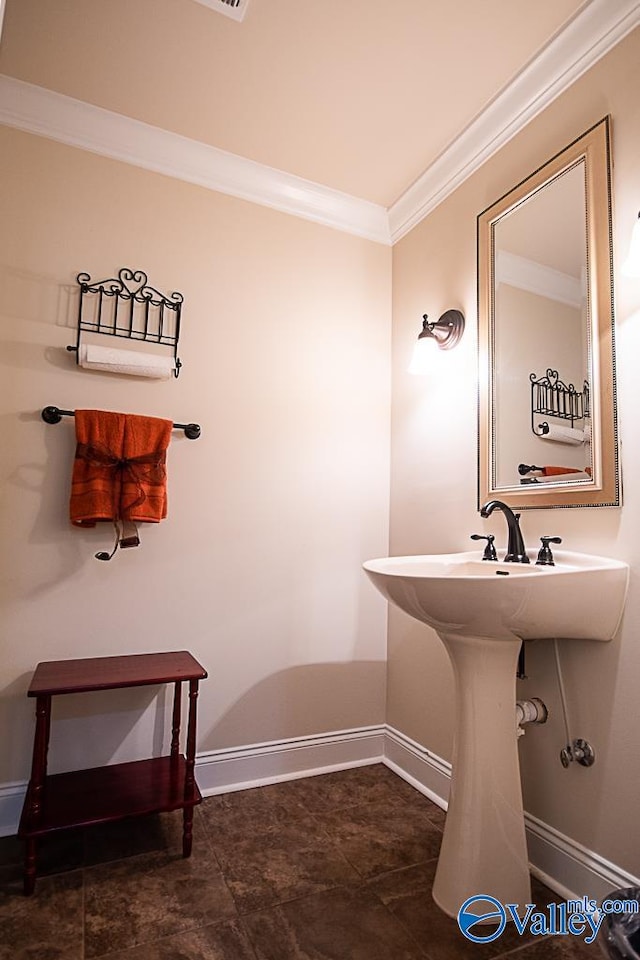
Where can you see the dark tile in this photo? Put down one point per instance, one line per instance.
(280, 863)
(60, 851)
(293, 854)
(148, 897)
(435, 813)
(565, 947)
(11, 850)
(128, 838)
(220, 941)
(244, 812)
(380, 836)
(407, 894)
(56, 853)
(345, 788)
(542, 895)
(340, 924)
(45, 926)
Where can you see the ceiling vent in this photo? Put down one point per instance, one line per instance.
(235, 9)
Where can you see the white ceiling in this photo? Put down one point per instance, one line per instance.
(363, 97)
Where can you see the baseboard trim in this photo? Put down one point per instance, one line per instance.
(424, 770)
(566, 866)
(11, 800)
(221, 771)
(571, 866)
(253, 765)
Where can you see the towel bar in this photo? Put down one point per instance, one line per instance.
(54, 415)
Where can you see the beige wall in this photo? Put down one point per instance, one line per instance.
(433, 502)
(257, 569)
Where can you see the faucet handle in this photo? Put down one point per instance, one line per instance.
(545, 557)
(489, 550)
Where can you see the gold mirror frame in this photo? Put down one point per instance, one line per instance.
(604, 488)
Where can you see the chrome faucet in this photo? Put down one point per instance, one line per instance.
(516, 552)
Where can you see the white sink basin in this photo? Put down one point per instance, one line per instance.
(482, 610)
(581, 597)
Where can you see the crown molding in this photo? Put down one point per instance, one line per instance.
(587, 38)
(538, 278)
(49, 114)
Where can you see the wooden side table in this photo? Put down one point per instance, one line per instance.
(113, 792)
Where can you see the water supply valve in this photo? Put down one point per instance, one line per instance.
(581, 751)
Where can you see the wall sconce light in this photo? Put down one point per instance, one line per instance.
(631, 266)
(445, 332)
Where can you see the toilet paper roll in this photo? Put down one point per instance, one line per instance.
(93, 357)
(564, 435)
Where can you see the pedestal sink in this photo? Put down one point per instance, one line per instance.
(482, 610)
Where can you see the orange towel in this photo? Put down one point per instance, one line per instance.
(560, 471)
(119, 470)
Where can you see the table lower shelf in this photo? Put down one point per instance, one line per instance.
(102, 794)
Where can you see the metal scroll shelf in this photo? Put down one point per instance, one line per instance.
(550, 397)
(126, 306)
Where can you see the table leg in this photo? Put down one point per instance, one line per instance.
(189, 781)
(36, 786)
(175, 729)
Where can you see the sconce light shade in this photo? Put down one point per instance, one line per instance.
(445, 332)
(631, 266)
(422, 357)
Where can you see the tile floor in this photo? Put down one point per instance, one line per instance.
(334, 867)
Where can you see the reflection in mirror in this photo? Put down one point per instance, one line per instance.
(547, 412)
(541, 324)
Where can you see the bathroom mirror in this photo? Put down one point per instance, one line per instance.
(547, 415)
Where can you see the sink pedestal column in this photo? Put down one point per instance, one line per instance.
(484, 848)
